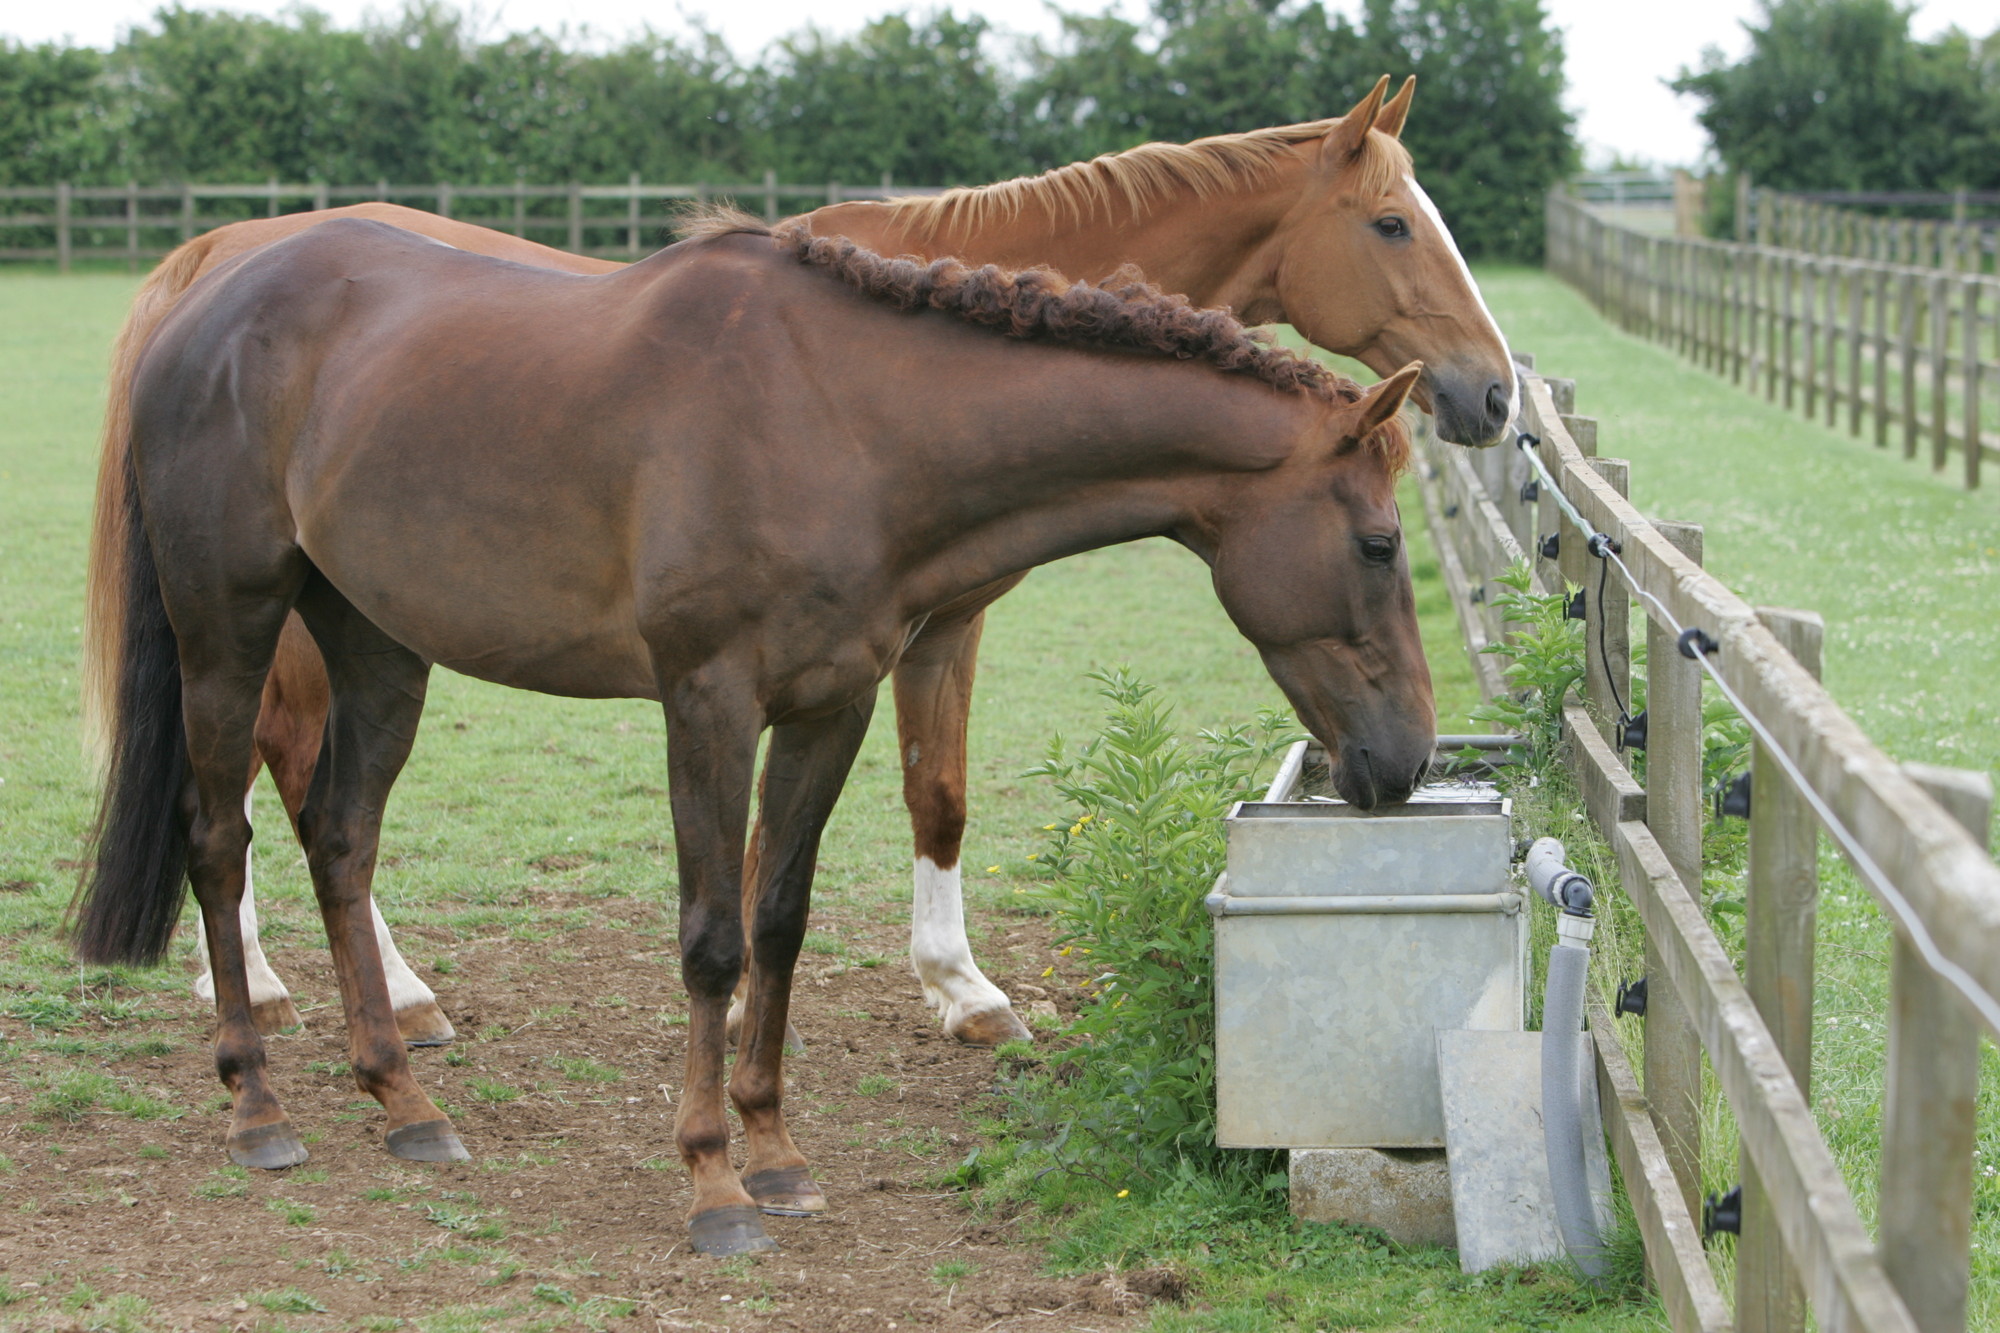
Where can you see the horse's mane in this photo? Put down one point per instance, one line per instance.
(1041, 304)
(1139, 177)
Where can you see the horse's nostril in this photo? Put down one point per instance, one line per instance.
(1498, 400)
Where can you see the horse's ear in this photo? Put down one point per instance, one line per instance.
(1396, 110)
(1380, 404)
(1343, 143)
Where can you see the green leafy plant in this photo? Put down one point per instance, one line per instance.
(1545, 657)
(1129, 868)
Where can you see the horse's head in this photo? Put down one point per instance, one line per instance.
(1367, 268)
(1308, 561)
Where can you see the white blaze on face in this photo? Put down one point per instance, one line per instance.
(1431, 212)
(939, 951)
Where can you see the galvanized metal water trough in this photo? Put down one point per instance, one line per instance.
(1344, 942)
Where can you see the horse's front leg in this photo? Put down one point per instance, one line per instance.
(712, 726)
(804, 770)
(933, 683)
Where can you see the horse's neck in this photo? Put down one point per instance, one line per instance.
(1215, 251)
(1072, 459)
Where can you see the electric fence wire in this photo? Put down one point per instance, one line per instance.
(1900, 911)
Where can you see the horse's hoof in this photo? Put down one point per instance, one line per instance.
(426, 1141)
(733, 1229)
(271, 1147)
(989, 1027)
(785, 1191)
(425, 1025)
(279, 1015)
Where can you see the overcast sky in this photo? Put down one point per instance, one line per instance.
(1618, 50)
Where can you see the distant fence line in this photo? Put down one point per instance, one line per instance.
(136, 223)
(1829, 223)
(1902, 348)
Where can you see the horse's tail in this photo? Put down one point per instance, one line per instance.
(106, 585)
(130, 900)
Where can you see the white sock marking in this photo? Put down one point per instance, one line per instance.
(939, 951)
(406, 989)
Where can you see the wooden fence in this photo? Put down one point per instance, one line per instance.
(1802, 1243)
(140, 223)
(1823, 225)
(1905, 352)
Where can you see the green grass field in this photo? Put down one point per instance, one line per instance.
(1900, 564)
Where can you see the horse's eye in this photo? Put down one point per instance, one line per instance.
(1392, 227)
(1378, 550)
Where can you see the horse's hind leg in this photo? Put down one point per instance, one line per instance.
(377, 698)
(289, 730)
(271, 1006)
(933, 684)
(221, 665)
(804, 770)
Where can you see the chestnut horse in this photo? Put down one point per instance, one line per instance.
(728, 478)
(1321, 225)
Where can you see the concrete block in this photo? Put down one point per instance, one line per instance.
(1405, 1193)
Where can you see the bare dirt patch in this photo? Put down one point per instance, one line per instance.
(571, 1213)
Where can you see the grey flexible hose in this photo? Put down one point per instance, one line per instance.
(1562, 1054)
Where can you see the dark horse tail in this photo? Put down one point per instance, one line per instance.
(131, 899)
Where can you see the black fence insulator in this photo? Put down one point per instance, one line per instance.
(1633, 735)
(1451, 511)
(1575, 610)
(1632, 997)
(1531, 490)
(1722, 1212)
(1732, 797)
(1603, 544)
(1477, 594)
(1552, 546)
(1695, 643)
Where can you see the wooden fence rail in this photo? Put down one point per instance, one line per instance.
(139, 223)
(1959, 244)
(1902, 352)
(1803, 1246)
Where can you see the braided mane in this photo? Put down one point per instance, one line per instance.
(1039, 304)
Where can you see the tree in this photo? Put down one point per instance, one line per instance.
(1836, 94)
(1488, 134)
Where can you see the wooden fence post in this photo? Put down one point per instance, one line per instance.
(632, 215)
(1781, 906)
(1881, 358)
(770, 196)
(1940, 340)
(1969, 386)
(1906, 336)
(444, 199)
(187, 213)
(62, 226)
(322, 197)
(1928, 1110)
(1855, 337)
(575, 218)
(520, 207)
(1791, 269)
(1674, 813)
(1809, 333)
(131, 226)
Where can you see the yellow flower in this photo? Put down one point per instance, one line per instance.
(1047, 827)
(1063, 952)
(1086, 951)
(1050, 968)
(1086, 819)
(1020, 890)
(1124, 1193)
(1034, 856)
(993, 870)
(1075, 829)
